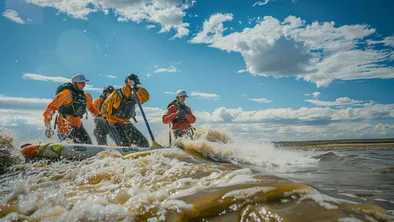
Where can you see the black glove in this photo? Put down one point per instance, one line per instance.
(181, 114)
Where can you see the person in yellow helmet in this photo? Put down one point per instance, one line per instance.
(119, 108)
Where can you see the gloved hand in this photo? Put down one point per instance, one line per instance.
(181, 114)
(48, 132)
(103, 117)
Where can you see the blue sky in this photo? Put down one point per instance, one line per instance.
(271, 69)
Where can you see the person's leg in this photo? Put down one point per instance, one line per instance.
(100, 132)
(136, 136)
(81, 136)
(122, 134)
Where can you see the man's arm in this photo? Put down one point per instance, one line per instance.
(91, 107)
(64, 97)
(170, 115)
(97, 102)
(190, 117)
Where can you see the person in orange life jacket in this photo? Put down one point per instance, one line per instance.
(179, 115)
(119, 108)
(71, 103)
(101, 130)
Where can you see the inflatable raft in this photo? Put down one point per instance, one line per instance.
(73, 151)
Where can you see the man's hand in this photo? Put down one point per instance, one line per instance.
(181, 114)
(103, 118)
(48, 132)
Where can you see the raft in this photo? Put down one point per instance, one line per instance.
(73, 151)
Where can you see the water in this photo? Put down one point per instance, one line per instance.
(208, 181)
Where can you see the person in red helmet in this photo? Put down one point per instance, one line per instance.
(119, 108)
(101, 130)
(179, 115)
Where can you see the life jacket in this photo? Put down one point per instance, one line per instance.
(179, 107)
(78, 106)
(126, 110)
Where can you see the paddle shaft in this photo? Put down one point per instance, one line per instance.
(143, 114)
(113, 133)
(169, 134)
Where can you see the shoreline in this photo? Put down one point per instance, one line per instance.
(336, 145)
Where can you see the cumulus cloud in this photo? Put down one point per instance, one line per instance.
(169, 14)
(23, 101)
(316, 52)
(111, 76)
(212, 29)
(58, 79)
(260, 3)
(13, 16)
(315, 115)
(169, 69)
(261, 100)
(314, 94)
(276, 124)
(150, 26)
(341, 101)
(202, 95)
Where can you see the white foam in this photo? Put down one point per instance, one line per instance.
(245, 193)
(256, 153)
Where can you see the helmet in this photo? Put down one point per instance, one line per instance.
(181, 92)
(79, 78)
(108, 88)
(132, 77)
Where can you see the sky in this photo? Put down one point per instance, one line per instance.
(265, 70)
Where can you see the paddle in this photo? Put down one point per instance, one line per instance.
(155, 145)
(115, 136)
(169, 134)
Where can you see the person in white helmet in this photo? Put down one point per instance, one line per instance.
(179, 115)
(71, 103)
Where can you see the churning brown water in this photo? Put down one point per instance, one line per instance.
(206, 181)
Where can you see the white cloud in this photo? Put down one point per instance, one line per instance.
(314, 94)
(341, 101)
(169, 69)
(318, 52)
(23, 102)
(39, 77)
(301, 116)
(150, 26)
(388, 41)
(276, 124)
(260, 3)
(212, 29)
(203, 95)
(171, 93)
(169, 14)
(111, 76)
(261, 100)
(13, 16)
(45, 78)
(14, 117)
(241, 71)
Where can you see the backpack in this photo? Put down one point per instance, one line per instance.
(174, 102)
(64, 86)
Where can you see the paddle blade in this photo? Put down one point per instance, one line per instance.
(136, 155)
(155, 145)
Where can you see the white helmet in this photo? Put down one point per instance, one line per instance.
(181, 92)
